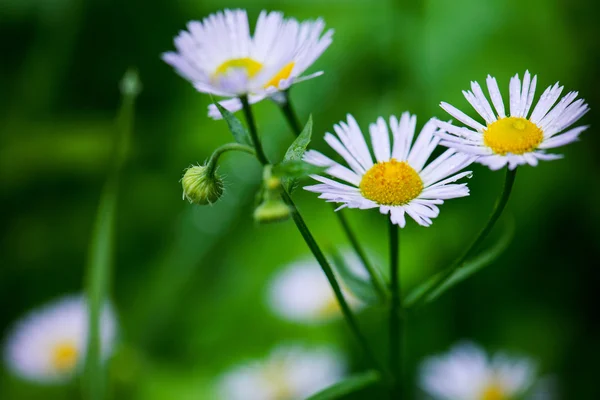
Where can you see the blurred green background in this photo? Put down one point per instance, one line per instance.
(190, 282)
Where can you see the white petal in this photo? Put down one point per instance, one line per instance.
(495, 95)
(462, 117)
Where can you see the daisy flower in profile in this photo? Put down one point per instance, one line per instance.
(518, 138)
(399, 181)
(466, 373)
(290, 372)
(219, 55)
(48, 345)
(301, 293)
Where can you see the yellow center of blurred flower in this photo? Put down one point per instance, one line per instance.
(64, 356)
(391, 183)
(330, 309)
(280, 387)
(283, 74)
(493, 392)
(252, 68)
(512, 135)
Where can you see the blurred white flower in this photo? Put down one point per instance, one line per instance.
(399, 181)
(219, 55)
(301, 293)
(48, 345)
(519, 138)
(290, 372)
(466, 373)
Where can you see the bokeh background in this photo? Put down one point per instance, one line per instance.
(190, 283)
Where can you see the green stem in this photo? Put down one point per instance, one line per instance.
(378, 283)
(213, 161)
(395, 307)
(260, 154)
(509, 180)
(346, 310)
(314, 247)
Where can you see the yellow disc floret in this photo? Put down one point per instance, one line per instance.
(493, 392)
(391, 183)
(64, 356)
(513, 135)
(251, 66)
(284, 73)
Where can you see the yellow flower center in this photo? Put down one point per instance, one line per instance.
(391, 183)
(513, 135)
(253, 67)
(64, 356)
(493, 392)
(330, 308)
(280, 386)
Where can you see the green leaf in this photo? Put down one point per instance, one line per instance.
(100, 255)
(470, 267)
(297, 149)
(348, 386)
(360, 286)
(240, 134)
(296, 169)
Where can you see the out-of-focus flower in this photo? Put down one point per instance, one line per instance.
(48, 345)
(399, 181)
(301, 293)
(288, 373)
(519, 138)
(220, 57)
(201, 187)
(466, 373)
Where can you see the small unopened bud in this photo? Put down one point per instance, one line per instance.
(201, 187)
(272, 210)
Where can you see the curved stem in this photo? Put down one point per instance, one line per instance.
(509, 180)
(395, 306)
(292, 118)
(213, 161)
(318, 253)
(260, 154)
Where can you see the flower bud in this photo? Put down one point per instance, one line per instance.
(200, 186)
(272, 210)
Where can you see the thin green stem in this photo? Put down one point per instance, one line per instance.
(318, 253)
(378, 283)
(213, 161)
(509, 180)
(376, 279)
(395, 307)
(260, 154)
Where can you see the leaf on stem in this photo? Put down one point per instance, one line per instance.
(295, 169)
(359, 285)
(297, 149)
(470, 267)
(348, 386)
(240, 134)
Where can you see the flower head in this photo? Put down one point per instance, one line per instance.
(398, 181)
(288, 373)
(300, 292)
(518, 138)
(48, 345)
(219, 56)
(467, 373)
(200, 186)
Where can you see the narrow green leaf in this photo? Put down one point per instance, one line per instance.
(348, 386)
(101, 248)
(297, 149)
(296, 169)
(470, 267)
(239, 132)
(360, 286)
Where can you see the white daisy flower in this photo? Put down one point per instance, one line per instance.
(220, 57)
(399, 181)
(48, 345)
(466, 373)
(301, 293)
(288, 373)
(521, 138)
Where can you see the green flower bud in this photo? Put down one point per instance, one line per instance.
(272, 210)
(200, 186)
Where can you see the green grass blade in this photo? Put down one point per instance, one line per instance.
(348, 386)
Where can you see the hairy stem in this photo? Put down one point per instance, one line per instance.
(395, 307)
